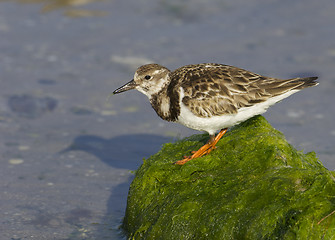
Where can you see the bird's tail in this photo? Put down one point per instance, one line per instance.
(305, 82)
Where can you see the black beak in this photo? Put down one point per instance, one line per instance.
(128, 86)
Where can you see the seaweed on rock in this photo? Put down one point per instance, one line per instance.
(255, 185)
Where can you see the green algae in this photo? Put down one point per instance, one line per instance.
(253, 186)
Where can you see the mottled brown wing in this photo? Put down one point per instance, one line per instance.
(214, 89)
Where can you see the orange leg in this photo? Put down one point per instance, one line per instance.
(205, 149)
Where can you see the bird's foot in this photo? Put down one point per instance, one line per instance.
(207, 148)
(204, 150)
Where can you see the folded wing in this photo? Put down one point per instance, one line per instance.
(214, 89)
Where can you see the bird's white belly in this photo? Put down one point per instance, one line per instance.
(210, 125)
(215, 123)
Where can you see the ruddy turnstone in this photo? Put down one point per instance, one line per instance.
(209, 96)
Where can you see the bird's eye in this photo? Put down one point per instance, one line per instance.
(147, 77)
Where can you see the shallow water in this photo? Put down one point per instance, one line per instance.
(67, 149)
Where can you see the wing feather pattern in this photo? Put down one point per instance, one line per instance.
(216, 89)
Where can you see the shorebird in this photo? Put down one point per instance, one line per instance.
(210, 97)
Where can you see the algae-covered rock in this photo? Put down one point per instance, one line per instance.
(253, 186)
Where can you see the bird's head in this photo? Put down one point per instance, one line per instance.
(148, 79)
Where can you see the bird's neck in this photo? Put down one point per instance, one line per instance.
(166, 104)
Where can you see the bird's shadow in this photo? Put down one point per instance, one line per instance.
(123, 152)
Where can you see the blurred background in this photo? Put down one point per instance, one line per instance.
(68, 149)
